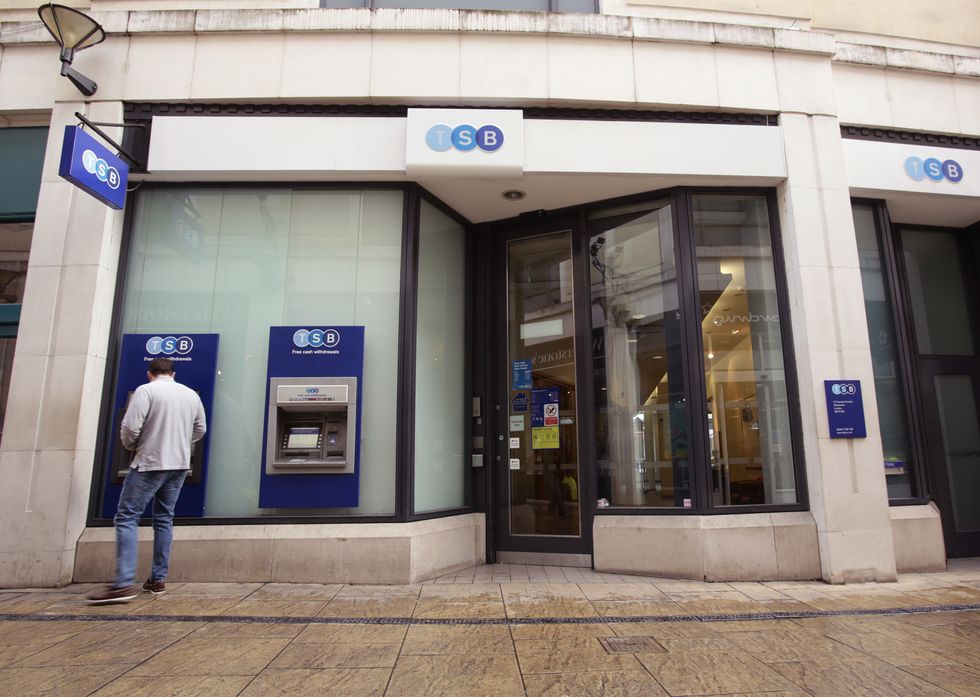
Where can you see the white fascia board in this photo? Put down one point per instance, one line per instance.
(306, 146)
(682, 149)
(276, 145)
(874, 166)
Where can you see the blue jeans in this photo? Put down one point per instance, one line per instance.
(137, 490)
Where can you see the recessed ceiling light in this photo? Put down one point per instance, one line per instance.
(736, 331)
(513, 194)
(638, 316)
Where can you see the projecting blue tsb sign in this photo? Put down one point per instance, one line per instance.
(92, 167)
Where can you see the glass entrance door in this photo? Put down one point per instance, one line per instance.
(940, 269)
(538, 466)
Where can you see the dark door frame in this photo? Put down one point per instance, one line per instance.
(497, 387)
(925, 367)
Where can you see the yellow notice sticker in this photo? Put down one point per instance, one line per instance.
(544, 438)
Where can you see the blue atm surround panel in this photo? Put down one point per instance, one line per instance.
(195, 358)
(313, 352)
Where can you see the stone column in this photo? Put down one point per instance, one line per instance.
(52, 418)
(846, 480)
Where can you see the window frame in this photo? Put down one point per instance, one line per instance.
(893, 270)
(691, 345)
(404, 479)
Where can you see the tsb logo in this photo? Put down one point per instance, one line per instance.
(169, 345)
(94, 164)
(315, 338)
(464, 137)
(918, 169)
(843, 388)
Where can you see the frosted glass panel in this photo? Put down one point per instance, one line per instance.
(882, 338)
(237, 261)
(440, 380)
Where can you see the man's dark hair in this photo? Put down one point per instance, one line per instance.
(161, 366)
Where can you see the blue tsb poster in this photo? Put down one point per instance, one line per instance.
(305, 365)
(195, 358)
(845, 409)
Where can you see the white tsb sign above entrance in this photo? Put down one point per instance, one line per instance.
(450, 142)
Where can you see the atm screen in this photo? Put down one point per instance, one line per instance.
(303, 437)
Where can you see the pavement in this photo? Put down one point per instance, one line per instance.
(502, 630)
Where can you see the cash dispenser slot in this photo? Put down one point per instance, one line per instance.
(312, 423)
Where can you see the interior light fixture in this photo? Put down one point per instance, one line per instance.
(74, 31)
(514, 195)
(639, 316)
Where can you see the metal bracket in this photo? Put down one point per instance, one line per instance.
(94, 125)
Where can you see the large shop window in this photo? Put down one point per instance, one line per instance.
(236, 261)
(642, 309)
(883, 339)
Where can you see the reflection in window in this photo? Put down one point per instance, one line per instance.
(940, 304)
(748, 416)
(641, 429)
(544, 473)
(14, 254)
(884, 358)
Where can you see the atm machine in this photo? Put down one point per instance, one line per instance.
(195, 358)
(315, 424)
(311, 453)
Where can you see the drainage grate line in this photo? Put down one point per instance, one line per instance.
(630, 619)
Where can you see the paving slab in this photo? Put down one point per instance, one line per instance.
(500, 631)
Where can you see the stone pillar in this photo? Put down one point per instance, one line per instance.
(846, 480)
(52, 418)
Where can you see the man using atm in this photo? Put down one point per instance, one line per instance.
(162, 421)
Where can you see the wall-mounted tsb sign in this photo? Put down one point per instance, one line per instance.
(933, 168)
(92, 167)
(845, 409)
(450, 142)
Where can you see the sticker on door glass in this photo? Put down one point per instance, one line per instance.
(515, 463)
(515, 443)
(544, 438)
(519, 403)
(516, 423)
(520, 375)
(544, 400)
(550, 414)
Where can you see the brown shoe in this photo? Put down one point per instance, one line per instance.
(112, 595)
(155, 587)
